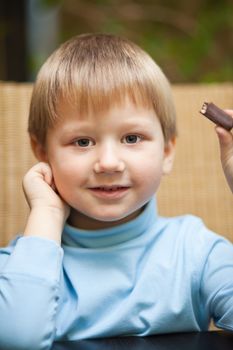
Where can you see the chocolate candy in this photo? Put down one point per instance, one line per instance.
(217, 115)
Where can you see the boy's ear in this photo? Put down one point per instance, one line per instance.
(38, 149)
(169, 155)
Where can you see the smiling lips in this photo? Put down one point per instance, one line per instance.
(112, 192)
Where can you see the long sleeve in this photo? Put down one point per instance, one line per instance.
(29, 293)
(217, 284)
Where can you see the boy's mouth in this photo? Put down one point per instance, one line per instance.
(112, 191)
(109, 187)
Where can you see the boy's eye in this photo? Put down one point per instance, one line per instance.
(132, 139)
(85, 142)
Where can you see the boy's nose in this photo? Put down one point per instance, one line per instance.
(108, 161)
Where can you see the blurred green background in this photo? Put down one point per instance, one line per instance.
(191, 40)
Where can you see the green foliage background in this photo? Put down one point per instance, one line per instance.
(192, 40)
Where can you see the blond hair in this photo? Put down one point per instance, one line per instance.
(94, 72)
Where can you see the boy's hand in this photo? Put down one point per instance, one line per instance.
(39, 189)
(48, 211)
(226, 148)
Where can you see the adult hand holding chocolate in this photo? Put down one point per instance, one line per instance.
(224, 121)
(226, 148)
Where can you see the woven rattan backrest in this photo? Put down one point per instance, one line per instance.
(195, 186)
(15, 157)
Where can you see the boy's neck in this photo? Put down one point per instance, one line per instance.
(81, 221)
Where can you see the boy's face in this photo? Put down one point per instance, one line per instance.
(107, 166)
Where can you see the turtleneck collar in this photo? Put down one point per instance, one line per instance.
(76, 237)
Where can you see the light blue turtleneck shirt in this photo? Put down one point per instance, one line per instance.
(150, 275)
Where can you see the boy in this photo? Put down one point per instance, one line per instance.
(95, 259)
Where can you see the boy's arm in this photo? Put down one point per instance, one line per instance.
(29, 293)
(217, 284)
(30, 271)
(226, 148)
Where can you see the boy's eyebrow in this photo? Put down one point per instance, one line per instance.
(137, 122)
(74, 127)
(86, 126)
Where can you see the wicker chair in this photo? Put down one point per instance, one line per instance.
(196, 185)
